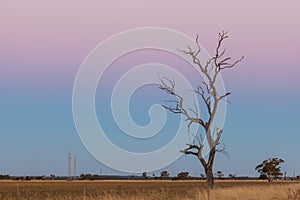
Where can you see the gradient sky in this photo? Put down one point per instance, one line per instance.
(43, 43)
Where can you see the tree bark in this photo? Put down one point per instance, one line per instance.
(209, 169)
(209, 177)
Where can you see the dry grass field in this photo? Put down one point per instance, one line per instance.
(144, 190)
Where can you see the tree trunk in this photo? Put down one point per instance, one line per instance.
(208, 167)
(209, 177)
(269, 178)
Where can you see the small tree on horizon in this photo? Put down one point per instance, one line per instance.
(219, 174)
(232, 176)
(270, 168)
(164, 175)
(183, 175)
(145, 175)
(52, 176)
(202, 176)
(211, 98)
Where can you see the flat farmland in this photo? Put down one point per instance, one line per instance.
(142, 190)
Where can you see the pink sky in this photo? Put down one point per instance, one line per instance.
(61, 33)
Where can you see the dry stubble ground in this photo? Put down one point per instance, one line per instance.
(142, 190)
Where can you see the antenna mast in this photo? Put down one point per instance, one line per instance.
(74, 167)
(69, 165)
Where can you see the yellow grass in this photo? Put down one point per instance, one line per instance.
(144, 190)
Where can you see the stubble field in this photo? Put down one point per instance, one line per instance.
(144, 190)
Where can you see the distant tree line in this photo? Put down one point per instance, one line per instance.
(269, 170)
(179, 176)
(4, 177)
(90, 177)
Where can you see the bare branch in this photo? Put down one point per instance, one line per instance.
(228, 65)
(223, 64)
(223, 151)
(168, 86)
(218, 136)
(173, 110)
(195, 109)
(200, 140)
(195, 150)
(206, 99)
(191, 149)
(198, 45)
(223, 96)
(189, 126)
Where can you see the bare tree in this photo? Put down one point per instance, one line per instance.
(211, 97)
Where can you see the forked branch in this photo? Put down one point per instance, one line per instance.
(168, 86)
